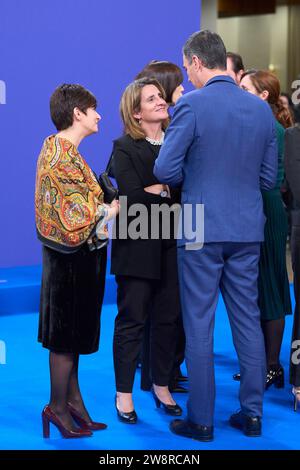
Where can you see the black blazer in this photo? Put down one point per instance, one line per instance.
(292, 168)
(133, 163)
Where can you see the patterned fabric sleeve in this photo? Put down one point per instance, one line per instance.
(68, 196)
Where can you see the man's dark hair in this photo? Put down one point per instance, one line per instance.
(65, 98)
(237, 61)
(208, 47)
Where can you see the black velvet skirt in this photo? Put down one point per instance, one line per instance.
(72, 293)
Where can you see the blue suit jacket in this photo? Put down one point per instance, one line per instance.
(221, 147)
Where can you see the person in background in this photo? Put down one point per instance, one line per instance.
(286, 193)
(287, 103)
(292, 170)
(170, 76)
(71, 224)
(145, 267)
(273, 284)
(297, 113)
(235, 66)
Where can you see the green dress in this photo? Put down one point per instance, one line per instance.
(273, 284)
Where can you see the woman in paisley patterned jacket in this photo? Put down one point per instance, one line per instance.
(71, 223)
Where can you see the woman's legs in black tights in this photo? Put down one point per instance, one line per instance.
(61, 366)
(273, 333)
(74, 394)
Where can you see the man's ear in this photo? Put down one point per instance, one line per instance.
(197, 63)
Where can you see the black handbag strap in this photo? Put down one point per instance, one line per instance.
(109, 164)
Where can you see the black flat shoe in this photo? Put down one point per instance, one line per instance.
(173, 410)
(128, 418)
(275, 376)
(250, 426)
(186, 428)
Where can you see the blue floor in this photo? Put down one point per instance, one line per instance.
(24, 389)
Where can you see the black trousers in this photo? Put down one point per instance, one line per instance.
(180, 350)
(139, 299)
(295, 350)
(146, 373)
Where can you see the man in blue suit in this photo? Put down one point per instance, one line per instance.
(221, 149)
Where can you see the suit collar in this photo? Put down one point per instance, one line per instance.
(220, 78)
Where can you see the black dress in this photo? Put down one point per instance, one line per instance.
(71, 299)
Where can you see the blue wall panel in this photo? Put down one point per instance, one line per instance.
(100, 44)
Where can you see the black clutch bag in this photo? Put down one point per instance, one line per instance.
(109, 191)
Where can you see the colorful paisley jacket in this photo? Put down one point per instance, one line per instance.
(68, 198)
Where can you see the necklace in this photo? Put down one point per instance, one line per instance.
(156, 142)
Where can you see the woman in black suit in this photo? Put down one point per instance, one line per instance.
(145, 265)
(292, 169)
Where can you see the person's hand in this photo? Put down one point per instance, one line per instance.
(155, 189)
(113, 209)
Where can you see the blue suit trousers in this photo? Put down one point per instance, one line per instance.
(231, 268)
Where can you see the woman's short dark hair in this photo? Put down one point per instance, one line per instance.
(237, 61)
(208, 47)
(65, 98)
(169, 75)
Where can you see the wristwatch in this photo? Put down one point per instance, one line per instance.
(164, 193)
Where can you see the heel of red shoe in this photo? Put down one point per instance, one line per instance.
(48, 416)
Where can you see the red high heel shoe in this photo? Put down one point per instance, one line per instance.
(91, 425)
(48, 416)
